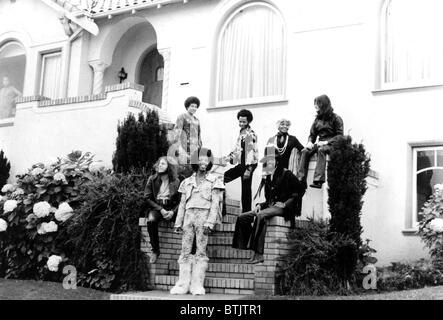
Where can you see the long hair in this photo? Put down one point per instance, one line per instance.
(171, 171)
(324, 104)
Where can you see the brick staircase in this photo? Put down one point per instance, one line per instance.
(228, 271)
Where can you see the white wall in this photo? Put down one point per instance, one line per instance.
(87, 126)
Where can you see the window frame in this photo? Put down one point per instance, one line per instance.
(398, 85)
(415, 148)
(43, 56)
(253, 100)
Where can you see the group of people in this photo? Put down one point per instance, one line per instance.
(189, 193)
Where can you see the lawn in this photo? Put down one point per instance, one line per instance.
(43, 290)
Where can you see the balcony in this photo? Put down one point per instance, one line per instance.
(106, 8)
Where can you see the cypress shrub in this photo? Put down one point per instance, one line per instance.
(140, 142)
(347, 171)
(5, 166)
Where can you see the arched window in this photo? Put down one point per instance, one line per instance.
(412, 50)
(12, 76)
(427, 172)
(159, 74)
(251, 56)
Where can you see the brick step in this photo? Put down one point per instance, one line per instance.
(214, 240)
(232, 202)
(233, 210)
(225, 227)
(241, 286)
(221, 270)
(220, 252)
(214, 251)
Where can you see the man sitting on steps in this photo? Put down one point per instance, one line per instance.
(283, 193)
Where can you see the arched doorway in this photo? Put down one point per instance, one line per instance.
(12, 76)
(151, 77)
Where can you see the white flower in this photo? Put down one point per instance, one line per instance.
(3, 225)
(59, 177)
(47, 227)
(437, 225)
(53, 262)
(8, 188)
(9, 205)
(37, 171)
(96, 166)
(64, 212)
(3, 198)
(41, 209)
(438, 186)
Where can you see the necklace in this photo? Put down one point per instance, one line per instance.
(283, 149)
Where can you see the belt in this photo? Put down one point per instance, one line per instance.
(164, 202)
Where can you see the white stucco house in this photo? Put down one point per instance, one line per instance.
(378, 60)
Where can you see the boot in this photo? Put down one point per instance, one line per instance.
(198, 276)
(184, 278)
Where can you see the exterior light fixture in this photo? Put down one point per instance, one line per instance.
(122, 75)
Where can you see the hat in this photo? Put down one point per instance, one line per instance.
(271, 152)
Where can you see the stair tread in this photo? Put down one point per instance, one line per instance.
(242, 268)
(213, 282)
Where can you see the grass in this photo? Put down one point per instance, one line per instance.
(44, 290)
(427, 293)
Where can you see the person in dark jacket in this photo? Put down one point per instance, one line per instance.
(326, 128)
(282, 192)
(163, 198)
(285, 142)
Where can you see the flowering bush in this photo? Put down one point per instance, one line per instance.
(9, 205)
(53, 262)
(3, 225)
(64, 212)
(36, 209)
(431, 226)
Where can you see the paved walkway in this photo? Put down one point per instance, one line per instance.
(428, 293)
(164, 295)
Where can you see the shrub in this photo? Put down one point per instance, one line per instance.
(403, 276)
(313, 265)
(106, 237)
(347, 171)
(140, 142)
(431, 226)
(36, 208)
(5, 166)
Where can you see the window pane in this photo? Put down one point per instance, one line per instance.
(412, 53)
(51, 82)
(425, 159)
(440, 158)
(12, 76)
(426, 181)
(251, 55)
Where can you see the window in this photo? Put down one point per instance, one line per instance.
(159, 74)
(412, 52)
(427, 172)
(50, 84)
(12, 76)
(251, 56)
